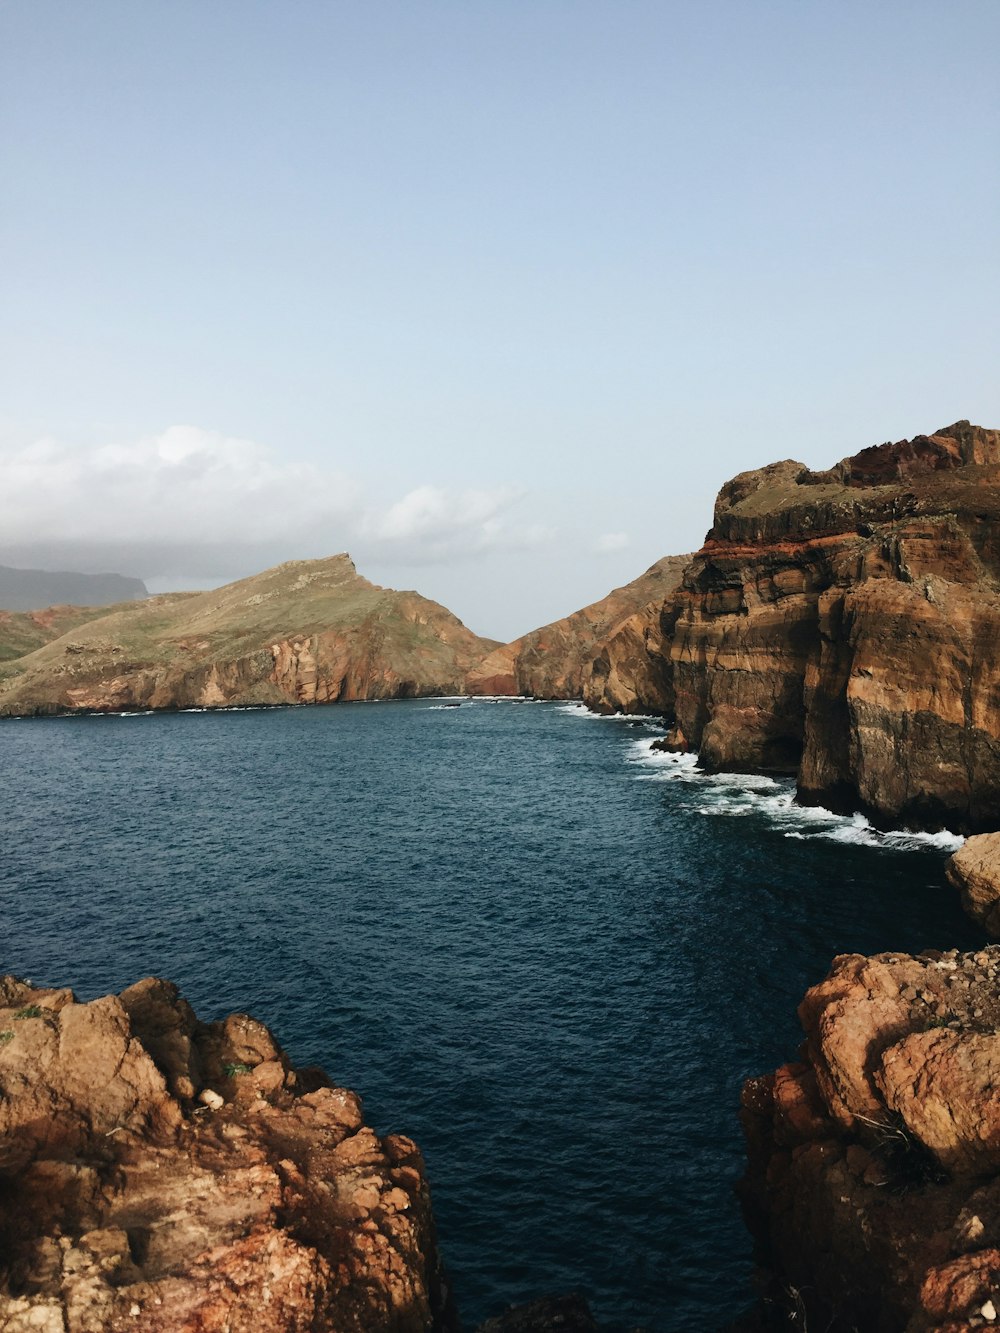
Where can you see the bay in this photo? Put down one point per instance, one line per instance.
(548, 955)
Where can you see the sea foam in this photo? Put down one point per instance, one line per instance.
(755, 794)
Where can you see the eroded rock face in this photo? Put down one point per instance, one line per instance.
(162, 1174)
(844, 627)
(873, 1187)
(605, 653)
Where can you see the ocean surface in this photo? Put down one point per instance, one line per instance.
(546, 953)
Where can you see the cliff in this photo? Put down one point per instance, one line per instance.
(163, 1174)
(844, 626)
(873, 1186)
(602, 651)
(25, 589)
(310, 631)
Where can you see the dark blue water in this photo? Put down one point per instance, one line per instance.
(548, 957)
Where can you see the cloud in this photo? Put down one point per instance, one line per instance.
(611, 541)
(193, 504)
(441, 523)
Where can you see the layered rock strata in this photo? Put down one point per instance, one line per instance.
(873, 1186)
(310, 631)
(605, 652)
(844, 626)
(163, 1174)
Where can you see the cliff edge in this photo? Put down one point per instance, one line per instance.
(601, 653)
(844, 626)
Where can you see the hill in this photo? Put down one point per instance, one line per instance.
(309, 631)
(558, 661)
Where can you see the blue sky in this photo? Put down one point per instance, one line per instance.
(494, 295)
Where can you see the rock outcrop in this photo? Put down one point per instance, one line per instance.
(844, 626)
(975, 871)
(163, 1174)
(873, 1186)
(311, 631)
(603, 653)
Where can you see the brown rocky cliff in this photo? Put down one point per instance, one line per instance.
(845, 627)
(163, 1174)
(601, 652)
(873, 1187)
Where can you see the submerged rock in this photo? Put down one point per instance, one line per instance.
(550, 1314)
(162, 1174)
(873, 1186)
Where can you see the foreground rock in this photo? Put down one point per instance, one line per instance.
(310, 631)
(165, 1175)
(603, 653)
(873, 1186)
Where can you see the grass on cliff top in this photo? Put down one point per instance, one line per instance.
(23, 632)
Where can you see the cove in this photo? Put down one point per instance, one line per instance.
(549, 958)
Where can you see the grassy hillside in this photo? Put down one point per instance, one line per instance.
(307, 631)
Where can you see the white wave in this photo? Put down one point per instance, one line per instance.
(742, 794)
(577, 708)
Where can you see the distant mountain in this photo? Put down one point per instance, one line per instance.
(310, 631)
(29, 589)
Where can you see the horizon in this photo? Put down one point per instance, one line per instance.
(497, 300)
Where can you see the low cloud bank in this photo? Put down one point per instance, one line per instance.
(195, 506)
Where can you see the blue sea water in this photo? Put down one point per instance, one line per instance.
(546, 953)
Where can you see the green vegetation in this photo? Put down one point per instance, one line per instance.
(29, 1011)
(235, 1068)
(5, 1037)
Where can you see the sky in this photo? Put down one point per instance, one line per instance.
(493, 294)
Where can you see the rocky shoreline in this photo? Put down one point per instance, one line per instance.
(164, 1174)
(873, 1186)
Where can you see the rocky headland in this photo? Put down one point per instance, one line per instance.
(844, 626)
(603, 652)
(310, 631)
(164, 1174)
(873, 1187)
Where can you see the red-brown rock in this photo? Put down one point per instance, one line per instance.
(873, 1186)
(608, 653)
(844, 627)
(170, 1176)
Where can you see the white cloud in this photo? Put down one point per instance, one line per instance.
(195, 504)
(611, 541)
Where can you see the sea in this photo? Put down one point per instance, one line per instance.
(548, 953)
